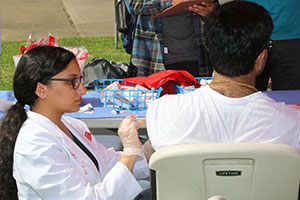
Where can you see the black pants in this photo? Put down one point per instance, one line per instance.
(283, 67)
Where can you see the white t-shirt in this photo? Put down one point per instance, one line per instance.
(205, 116)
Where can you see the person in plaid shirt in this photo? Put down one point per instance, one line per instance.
(149, 51)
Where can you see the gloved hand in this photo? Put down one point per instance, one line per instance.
(129, 136)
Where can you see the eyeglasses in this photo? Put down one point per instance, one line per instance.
(74, 81)
(269, 45)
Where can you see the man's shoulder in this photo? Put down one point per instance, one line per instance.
(279, 110)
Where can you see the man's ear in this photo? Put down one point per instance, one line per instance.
(41, 90)
(260, 62)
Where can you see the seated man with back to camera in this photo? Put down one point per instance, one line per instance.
(229, 109)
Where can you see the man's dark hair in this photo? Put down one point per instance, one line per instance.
(235, 34)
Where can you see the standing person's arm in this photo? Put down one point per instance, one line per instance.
(204, 8)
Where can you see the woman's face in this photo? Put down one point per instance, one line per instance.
(61, 94)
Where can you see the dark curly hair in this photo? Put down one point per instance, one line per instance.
(37, 65)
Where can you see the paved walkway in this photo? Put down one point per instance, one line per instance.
(62, 18)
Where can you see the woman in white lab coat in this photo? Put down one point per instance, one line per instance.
(45, 155)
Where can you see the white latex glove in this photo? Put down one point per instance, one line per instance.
(129, 136)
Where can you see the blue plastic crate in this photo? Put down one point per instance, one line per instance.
(180, 90)
(205, 78)
(124, 99)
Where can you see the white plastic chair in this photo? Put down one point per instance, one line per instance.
(233, 171)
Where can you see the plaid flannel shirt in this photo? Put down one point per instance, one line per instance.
(147, 51)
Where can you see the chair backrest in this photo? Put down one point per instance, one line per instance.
(235, 171)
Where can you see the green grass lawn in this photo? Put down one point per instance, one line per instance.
(96, 46)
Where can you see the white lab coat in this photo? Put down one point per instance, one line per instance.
(49, 165)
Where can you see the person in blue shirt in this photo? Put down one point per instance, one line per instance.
(283, 65)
